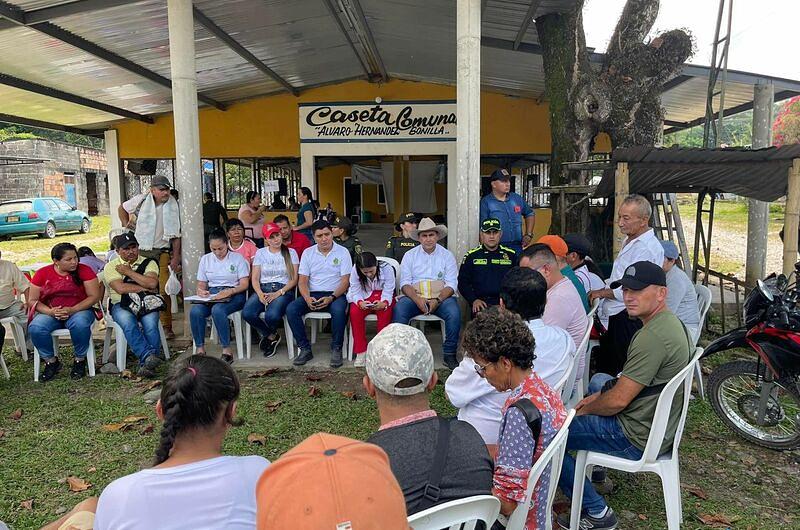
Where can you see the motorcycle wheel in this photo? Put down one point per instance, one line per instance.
(734, 389)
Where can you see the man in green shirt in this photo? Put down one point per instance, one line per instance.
(616, 419)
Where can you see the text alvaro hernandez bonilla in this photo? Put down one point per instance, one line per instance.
(329, 122)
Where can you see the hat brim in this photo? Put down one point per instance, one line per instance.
(441, 230)
(630, 283)
(491, 229)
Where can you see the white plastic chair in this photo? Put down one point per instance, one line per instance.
(17, 333)
(55, 336)
(576, 392)
(552, 456)
(371, 317)
(666, 465)
(703, 304)
(589, 345)
(238, 331)
(454, 514)
(121, 343)
(287, 331)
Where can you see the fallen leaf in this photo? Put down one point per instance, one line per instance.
(17, 414)
(134, 419)
(272, 406)
(126, 374)
(264, 373)
(716, 520)
(314, 391)
(151, 386)
(77, 484)
(696, 491)
(147, 429)
(26, 505)
(92, 469)
(114, 427)
(259, 439)
(642, 517)
(313, 377)
(350, 395)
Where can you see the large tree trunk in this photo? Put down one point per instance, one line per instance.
(622, 99)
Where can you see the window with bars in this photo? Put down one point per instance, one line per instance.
(237, 180)
(278, 180)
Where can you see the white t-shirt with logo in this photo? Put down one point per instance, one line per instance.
(214, 494)
(222, 273)
(325, 272)
(273, 266)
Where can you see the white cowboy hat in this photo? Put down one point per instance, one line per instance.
(427, 225)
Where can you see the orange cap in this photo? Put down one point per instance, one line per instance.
(330, 482)
(556, 244)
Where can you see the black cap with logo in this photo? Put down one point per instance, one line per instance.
(491, 225)
(408, 217)
(125, 240)
(500, 174)
(640, 275)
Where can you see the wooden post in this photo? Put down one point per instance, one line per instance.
(792, 218)
(621, 187)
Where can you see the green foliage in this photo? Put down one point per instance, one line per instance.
(9, 131)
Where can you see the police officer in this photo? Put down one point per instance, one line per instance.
(397, 246)
(516, 216)
(484, 267)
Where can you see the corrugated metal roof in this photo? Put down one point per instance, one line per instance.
(301, 41)
(756, 173)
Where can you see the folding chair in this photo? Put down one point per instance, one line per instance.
(457, 514)
(55, 336)
(666, 465)
(576, 393)
(703, 304)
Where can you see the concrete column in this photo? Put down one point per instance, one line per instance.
(116, 186)
(758, 211)
(188, 170)
(463, 195)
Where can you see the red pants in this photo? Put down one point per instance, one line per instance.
(357, 316)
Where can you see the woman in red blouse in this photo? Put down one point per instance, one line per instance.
(62, 296)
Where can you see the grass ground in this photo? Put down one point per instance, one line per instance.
(31, 249)
(60, 432)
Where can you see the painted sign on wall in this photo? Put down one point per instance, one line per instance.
(378, 121)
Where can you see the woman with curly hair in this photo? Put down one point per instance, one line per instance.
(191, 485)
(502, 347)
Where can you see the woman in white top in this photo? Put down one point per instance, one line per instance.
(251, 214)
(222, 275)
(274, 277)
(371, 291)
(192, 485)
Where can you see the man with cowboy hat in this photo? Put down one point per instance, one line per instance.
(397, 246)
(428, 279)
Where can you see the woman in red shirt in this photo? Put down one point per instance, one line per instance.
(61, 296)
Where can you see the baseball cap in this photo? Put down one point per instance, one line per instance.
(670, 250)
(398, 353)
(500, 174)
(640, 275)
(268, 229)
(330, 482)
(491, 225)
(578, 243)
(408, 217)
(556, 244)
(125, 240)
(160, 181)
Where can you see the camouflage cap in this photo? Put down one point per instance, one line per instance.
(397, 353)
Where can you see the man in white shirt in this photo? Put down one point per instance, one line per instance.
(13, 282)
(324, 277)
(640, 244)
(157, 226)
(578, 250)
(428, 279)
(522, 291)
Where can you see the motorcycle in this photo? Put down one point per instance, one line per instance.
(760, 400)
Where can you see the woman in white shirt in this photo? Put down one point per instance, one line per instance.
(222, 275)
(371, 291)
(192, 485)
(274, 277)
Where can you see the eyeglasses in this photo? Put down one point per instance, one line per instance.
(481, 370)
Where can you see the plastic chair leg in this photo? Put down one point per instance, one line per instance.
(107, 343)
(670, 484)
(121, 348)
(3, 366)
(248, 338)
(698, 377)
(90, 358)
(164, 344)
(577, 490)
(36, 361)
(350, 355)
(287, 332)
(237, 328)
(313, 331)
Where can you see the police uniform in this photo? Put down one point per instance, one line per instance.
(482, 270)
(352, 244)
(397, 247)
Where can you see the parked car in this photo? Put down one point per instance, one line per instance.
(45, 217)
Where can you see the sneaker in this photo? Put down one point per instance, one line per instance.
(78, 369)
(51, 369)
(336, 359)
(271, 346)
(450, 361)
(303, 358)
(361, 361)
(609, 522)
(264, 344)
(148, 369)
(145, 372)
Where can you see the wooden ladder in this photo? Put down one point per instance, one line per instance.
(667, 223)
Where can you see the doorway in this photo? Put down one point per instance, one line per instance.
(352, 200)
(91, 193)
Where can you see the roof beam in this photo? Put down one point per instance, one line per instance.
(675, 81)
(243, 52)
(335, 15)
(79, 7)
(19, 120)
(371, 46)
(526, 22)
(36, 88)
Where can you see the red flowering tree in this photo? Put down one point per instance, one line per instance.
(786, 128)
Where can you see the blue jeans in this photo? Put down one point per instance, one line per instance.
(80, 330)
(219, 312)
(405, 309)
(142, 334)
(273, 312)
(337, 309)
(602, 434)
